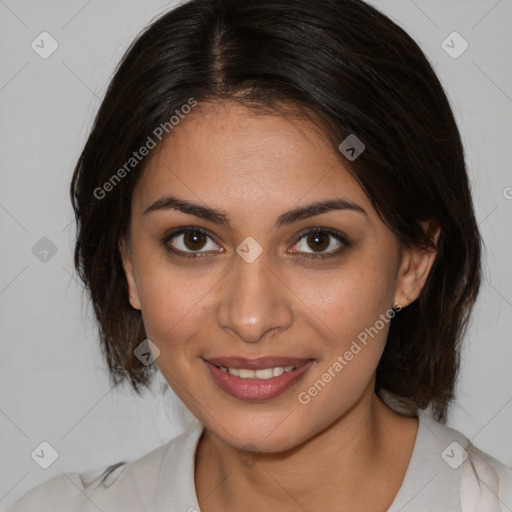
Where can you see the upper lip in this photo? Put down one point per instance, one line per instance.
(257, 363)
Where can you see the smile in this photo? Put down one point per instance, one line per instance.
(256, 379)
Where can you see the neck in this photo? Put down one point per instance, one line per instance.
(368, 447)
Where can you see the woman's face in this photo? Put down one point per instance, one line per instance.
(240, 272)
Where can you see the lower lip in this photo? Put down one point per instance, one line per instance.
(256, 389)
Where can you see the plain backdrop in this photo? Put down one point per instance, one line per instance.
(53, 381)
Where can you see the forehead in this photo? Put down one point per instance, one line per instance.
(229, 152)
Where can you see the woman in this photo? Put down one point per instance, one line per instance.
(273, 210)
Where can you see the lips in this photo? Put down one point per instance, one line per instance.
(250, 379)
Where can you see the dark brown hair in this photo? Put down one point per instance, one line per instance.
(358, 73)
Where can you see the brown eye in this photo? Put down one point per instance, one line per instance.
(194, 240)
(190, 242)
(318, 241)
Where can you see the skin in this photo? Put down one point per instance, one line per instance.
(253, 167)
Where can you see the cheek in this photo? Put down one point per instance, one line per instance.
(358, 314)
(171, 297)
(354, 306)
(351, 298)
(172, 312)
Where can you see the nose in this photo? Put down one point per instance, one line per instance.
(254, 300)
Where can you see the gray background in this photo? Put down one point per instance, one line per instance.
(53, 382)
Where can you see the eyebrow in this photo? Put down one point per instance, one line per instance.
(221, 218)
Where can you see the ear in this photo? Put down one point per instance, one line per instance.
(415, 267)
(127, 260)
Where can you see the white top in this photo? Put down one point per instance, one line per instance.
(446, 473)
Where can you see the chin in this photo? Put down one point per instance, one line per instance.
(266, 433)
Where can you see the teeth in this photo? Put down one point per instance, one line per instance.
(278, 370)
(263, 373)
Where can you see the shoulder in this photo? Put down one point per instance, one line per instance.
(484, 483)
(123, 486)
(447, 472)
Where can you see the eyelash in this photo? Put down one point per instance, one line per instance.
(338, 236)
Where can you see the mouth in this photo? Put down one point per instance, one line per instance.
(256, 379)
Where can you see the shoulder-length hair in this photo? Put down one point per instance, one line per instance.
(356, 73)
